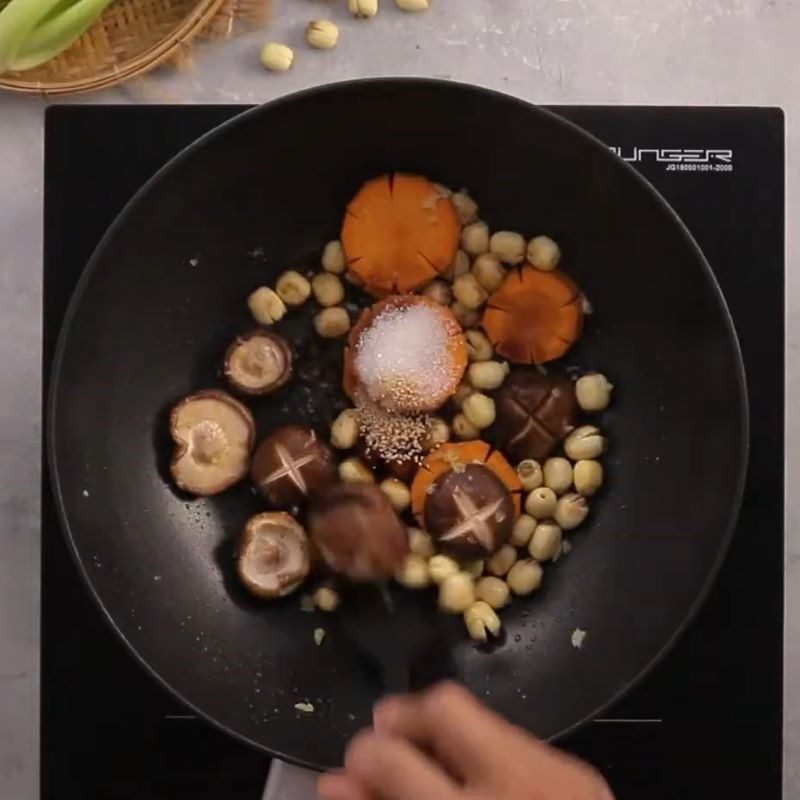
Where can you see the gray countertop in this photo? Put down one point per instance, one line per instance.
(732, 52)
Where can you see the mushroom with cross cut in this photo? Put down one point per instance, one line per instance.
(534, 412)
(291, 464)
(470, 512)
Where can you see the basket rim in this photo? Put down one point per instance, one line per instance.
(183, 33)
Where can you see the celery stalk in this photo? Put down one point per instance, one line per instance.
(17, 21)
(56, 34)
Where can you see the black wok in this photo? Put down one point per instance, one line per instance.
(164, 294)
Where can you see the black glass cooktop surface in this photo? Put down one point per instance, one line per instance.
(706, 723)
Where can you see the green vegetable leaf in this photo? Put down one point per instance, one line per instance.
(54, 35)
(37, 30)
(17, 21)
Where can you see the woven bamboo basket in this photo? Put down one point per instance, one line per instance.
(133, 37)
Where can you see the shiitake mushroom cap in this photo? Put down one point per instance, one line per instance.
(272, 555)
(291, 464)
(258, 362)
(469, 512)
(213, 435)
(534, 412)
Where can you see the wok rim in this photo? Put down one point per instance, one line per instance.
(304, 95)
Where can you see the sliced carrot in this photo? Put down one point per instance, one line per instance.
(399, 233)
(500, 328)
(497, 463)
(455, 454)
(535, 316)
(456, 345)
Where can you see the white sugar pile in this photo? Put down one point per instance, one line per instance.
(402, 358)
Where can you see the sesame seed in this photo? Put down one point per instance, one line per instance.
(393, 437)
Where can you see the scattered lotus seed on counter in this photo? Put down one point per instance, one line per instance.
(457, 452)
(363, 9)
(322, 34)
(413, 5)
(277, 57)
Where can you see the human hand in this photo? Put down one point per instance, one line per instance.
(444, 745)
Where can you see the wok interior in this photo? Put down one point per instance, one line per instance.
(166, 295)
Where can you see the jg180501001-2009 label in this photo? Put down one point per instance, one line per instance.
(677, 159)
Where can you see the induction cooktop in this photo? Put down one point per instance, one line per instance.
(706, 723)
